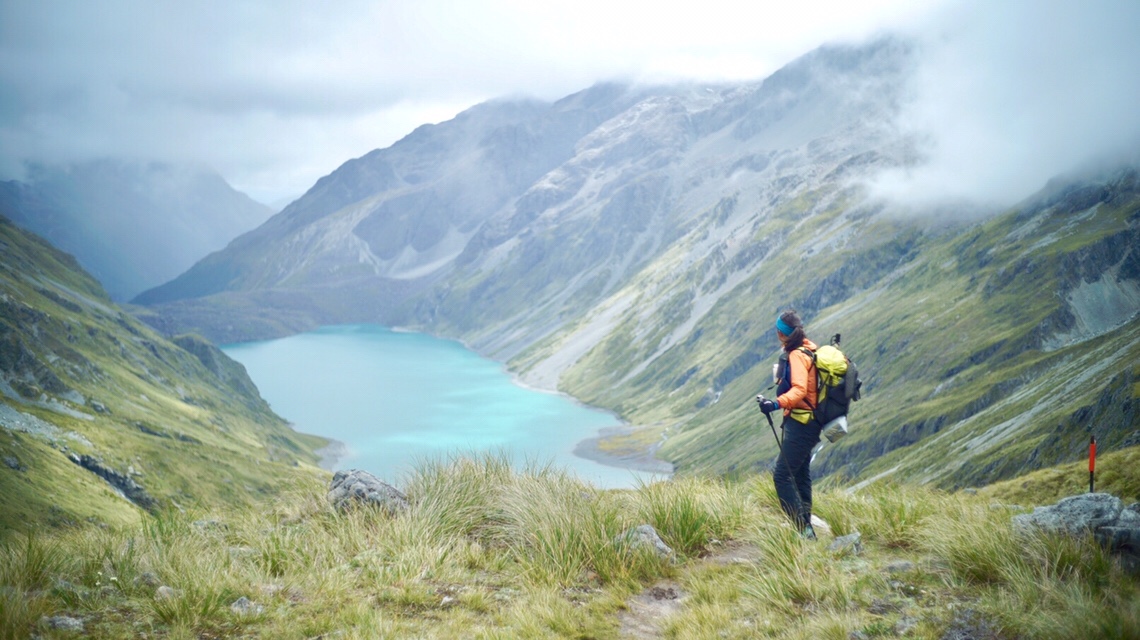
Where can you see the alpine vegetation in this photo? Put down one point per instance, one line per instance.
(484, 551)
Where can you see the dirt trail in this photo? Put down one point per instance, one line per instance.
(646, 613)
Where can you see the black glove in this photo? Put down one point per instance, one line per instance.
(768, 406)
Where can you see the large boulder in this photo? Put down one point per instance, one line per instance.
(1074, 515)
(355, 487)
(1103, 515)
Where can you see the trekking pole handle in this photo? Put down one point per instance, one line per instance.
(759, 401)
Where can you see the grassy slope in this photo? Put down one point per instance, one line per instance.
(1117, 473)
(190, 433)
(485, 552)
(945, 336)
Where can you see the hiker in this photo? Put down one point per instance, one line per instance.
(795, 393)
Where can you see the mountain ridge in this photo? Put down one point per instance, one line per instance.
(640, 274)
(132, 224)
(102, 420)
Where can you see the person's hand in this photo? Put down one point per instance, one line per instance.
(768, 406)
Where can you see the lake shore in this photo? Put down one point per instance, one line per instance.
(643, 460)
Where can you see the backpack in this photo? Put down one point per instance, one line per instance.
(837, 386)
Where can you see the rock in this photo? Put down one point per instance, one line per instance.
(900, 566)
(970, 625)
(882, 607)
(63, 623)
(132, 490)
(820, 525)
(349, 488)
(849, 544)
(1103, 515)
(645, 537)
(1073, 515)
(165, 593)
(905, 625)
(12, 462)
(1129, 518)
(148, 578)
(99, 407)
(208, 525)
(243, 606)
(1121, 539)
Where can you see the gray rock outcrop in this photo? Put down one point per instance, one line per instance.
(130, 489)
(851, 544)
(355, 487)
(1115, 527)
(64, 623)
(243, 606)
(645, 537)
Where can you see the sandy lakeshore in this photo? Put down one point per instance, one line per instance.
(643, 460)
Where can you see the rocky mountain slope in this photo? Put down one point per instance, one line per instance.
(987, 351)
(632, 245)
(515, 214)
(102, 419)
(133, 225)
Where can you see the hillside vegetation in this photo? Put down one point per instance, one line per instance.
(487, 552)
(632, 245)
(102, 419)
(987, 351)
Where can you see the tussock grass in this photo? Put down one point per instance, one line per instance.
(690, 512)
(488, 552)
(1033, 584)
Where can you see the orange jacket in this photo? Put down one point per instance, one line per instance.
(802, 395)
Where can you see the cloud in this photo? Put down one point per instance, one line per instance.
(275, 94)
(1011, 94)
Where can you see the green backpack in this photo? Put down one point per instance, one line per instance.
(837, 386)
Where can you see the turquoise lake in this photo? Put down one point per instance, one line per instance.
(395, 397)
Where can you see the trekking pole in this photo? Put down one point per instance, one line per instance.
(779, 444)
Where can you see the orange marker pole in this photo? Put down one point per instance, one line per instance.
(1092, 462)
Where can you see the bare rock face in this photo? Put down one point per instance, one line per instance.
(132, 490)
(355, 487)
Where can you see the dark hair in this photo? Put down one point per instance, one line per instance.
(796, 340)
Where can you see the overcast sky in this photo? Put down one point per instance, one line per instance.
(274, 94)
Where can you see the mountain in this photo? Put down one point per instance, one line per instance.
(102, 419)
(132, 225)
(632, 245)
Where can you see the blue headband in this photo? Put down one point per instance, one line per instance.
(783, 327)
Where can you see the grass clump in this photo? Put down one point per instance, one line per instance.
(1034, 584)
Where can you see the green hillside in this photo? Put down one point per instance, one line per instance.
(83, 381)
(987, 350)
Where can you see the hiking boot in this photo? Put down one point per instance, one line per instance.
(808, 533)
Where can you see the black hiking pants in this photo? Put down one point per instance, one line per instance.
(792, 474)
